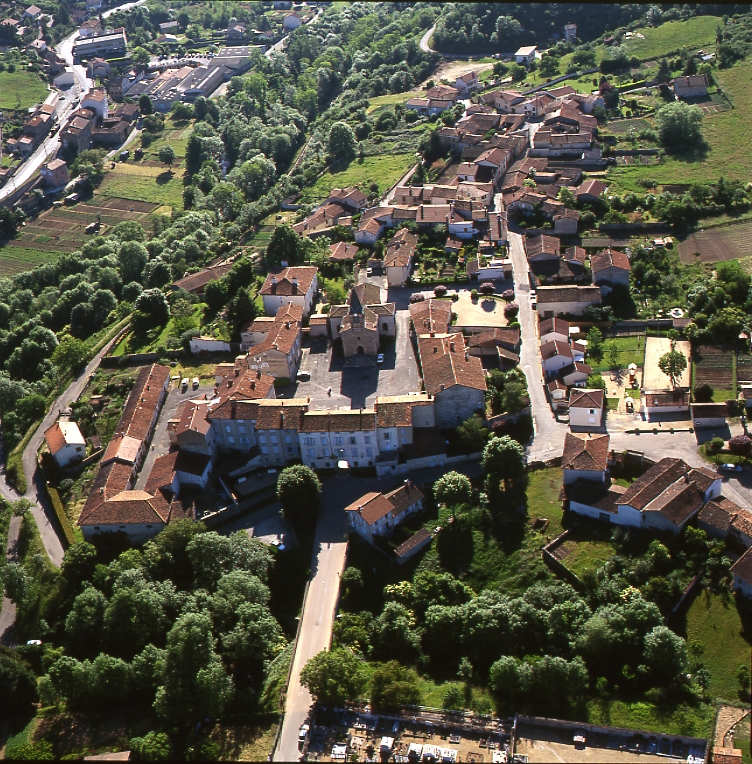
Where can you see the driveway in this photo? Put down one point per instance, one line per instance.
(160, 444)
(548, 439)
(358, 387)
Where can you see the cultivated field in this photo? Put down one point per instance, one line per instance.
(717, 244)
(384, 170)
(57, 232)
(21, 90)
(153, 184)
(714, 366)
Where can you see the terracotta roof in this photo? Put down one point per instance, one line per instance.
(677, 503)
(351, 196)
(445, 364)
(415, 540)
(142, 403)
(585, 452)
(405, 496)
(591, 187)
(431, 316)
(285, 414)
(281, 282)
(343, 251)
(708, 410)
(609, 258)
(743, 567)
(62, 434)
(715, 515)
(282, 336)
(193, 418)
(243, 410)
(163, 472)
(433, 213)
(556, 384)
(195, 282)
(586, 399)
(499, 335)
(131, 508)
(575, 254)
(653, 482)
(691, 81)
(542, 244)
(576, 367)
(397, 410)
(400, 249)
(371, 507)
(549, 294)
(554, 348)
(556, 325)
(122, 448)
(595, 495)
(357, 420)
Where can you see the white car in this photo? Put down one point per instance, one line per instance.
(380, 358)
(303, 733)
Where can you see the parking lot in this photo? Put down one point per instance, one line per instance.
(357, 387)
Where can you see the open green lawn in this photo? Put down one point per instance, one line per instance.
(696, 721)
(391, 99)
(385, 170)
(16, 259)
(693, 33)
(726, 635)
(129, 344)
(144, 184)
(725, 133)
(587, 553)
(21, 89)
(631, 350)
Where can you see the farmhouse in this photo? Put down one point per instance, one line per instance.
(398, 259)
(610, 268)
(590, 191)
(554, 329)
(691, 86)
(586, 408)
(195, 283)
(585, 457)
(66, 443)
(378, 514)
(664, 401)
(526, 55)
(431, 316)
(296, 286)
(724, 520)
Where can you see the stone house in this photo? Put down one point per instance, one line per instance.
(378, 514)
(296, 286)
(65, 442)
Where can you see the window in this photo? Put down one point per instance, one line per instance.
(149, 526)
(262, 438)
(310, 441)
(592, 411)
(354, 451)
(337, 441)
(122, 527)
(289, 449)
(385, 327)
(96, 527)
(217, 426)
(353, 441)
(404, 441)
(387, 436)
(241, 421)
(264, 450)
(339, 451)
(230, 440)
(244, 439)
(324, 441)
(288, 439)
(241, 428)
(276, 449)
(228, 428)
(604, 517)
(275, 439)
(367, 438)
(311, 453)
(369, 452)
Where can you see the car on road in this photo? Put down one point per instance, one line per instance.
(184, 384)
(380, 358)
(303, 733)
(303, 376)
(195, 383)
(731, 467)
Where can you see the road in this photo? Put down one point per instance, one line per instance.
(43, 513)
(548, 441)
(424, 40)
(68, 103)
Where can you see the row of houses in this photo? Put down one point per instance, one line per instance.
(666, 498)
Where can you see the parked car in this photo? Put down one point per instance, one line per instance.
(184, 384)
(731, 467)
(195, 383)
(303, 733)
(380, 358)
(304, 376)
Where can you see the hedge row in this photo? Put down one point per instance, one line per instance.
(65, 524)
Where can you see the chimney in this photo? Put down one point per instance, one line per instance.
(452, 347)
(274, 284)
(237, 372)
(435, 349)
(441, 387)
(467, 357)
(294, 285)
(287, 324)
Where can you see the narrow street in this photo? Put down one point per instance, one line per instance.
(548, 439)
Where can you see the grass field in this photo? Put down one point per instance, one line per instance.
(145, 184)
(385, 170)
(15, 259)
(631, 350)
(21, 90)
(586, 553)
(391, 99)
(726, 636)
(696, 721)
(728, 154)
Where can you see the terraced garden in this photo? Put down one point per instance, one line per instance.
(715, 366)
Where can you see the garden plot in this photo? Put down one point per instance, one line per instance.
(714, 366)
(718, 244)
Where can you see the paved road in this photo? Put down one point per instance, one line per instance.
(8, 612)
(548, 441)
(43, 513)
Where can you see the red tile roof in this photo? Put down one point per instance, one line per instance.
(586, 399)
(445, 364)
(281, 281)
(431, 316)
(609, 258)
(585, 452)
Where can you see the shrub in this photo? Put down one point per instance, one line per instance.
(487, 288)
(703, 393)
(473, 294)
(417, 297)
(740, 444)
(715, 445)
(507, 295)
(440, 291)
(511, 310)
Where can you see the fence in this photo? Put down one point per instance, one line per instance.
(556, 564)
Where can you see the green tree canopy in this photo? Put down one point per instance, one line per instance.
(679, 125)
(299, 491)
(504, 458)
(673, 365)
(453, 489)
(333, 676)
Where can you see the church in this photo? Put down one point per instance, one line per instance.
(362, 322)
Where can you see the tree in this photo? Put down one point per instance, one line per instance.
(595, 342)
(664, 71)
(679, 125)
(84, 623)
(665, 655)
(71, 354)
(167, 155)
(703, 393)
(342, 142)
(517, 72)
(132, 257)
(284, 246)
(453, 489)
(154, 746)
(141, 57)
(487, 288)
(504, 458)
(18, 682)
(673, 364)
(453, 700)
(78, 563)
(741, 445)
(195, 683)
(394, 686)
(153, 308)
(145, 106)
(549, 66)
(216, 294)
(240, 310)
(333, 676)
(613, 355)
(299, 491)
(472, 434)
(596, 382)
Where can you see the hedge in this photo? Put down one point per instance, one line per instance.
(57, 504)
